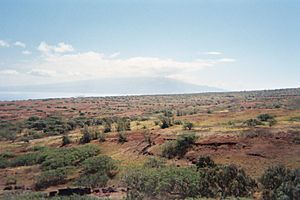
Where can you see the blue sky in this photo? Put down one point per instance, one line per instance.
(233, 44)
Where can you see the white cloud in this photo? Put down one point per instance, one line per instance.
(212, 53)
(59, 48)
(42, 72)
(225, 60)
(116, 54)
(3, 43)
(26, 52)
(92, 65)
(20, 44)
(62, 48)
(8, 72)
(55, 66)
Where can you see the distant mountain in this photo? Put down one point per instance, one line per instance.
(117, 86)
(102, 87)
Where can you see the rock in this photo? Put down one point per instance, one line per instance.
(71, 191)
(52, 193)
(109, 190)
(8, 187)
(19, 187)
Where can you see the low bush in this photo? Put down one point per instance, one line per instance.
(272, 122)
(97, 171)
(181, 183)
(256, 133)
(44, 196)
(100, 164)
(51, 178)
(280, 183)
(65, 140)
(27, 159)
(123, 124)
(166, 122)
(92, 180)
(153, 162)
(53, 158)
(9, 131)
(162, 183)
(147, 137)
(252, 122)
(3, 163)
(4, 159)
(169, 149)
(122, 138)
(188, 125)
(204, 162)
(224, 181)
(295, 119)
(179, 147)
(86, 136)
(102, 137)
(265, 117)
(52, 125)
(56, 158)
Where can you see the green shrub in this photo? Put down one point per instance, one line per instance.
(57, 158)
(162, 183)
(147, 137)
(86, 137)
(51, 178)
(102, 137)
(123, 124)
(180, 183)
(178, 122)
(25, 196)
(107, 127)
(169, 149)
(52, 125)
(256, 133)
(11, 180)
(179, 147)
(295, 119)
(7, 154)
(65, 140)
(280, 183)
(92, 180)
(231, 123)
(156, 122)
(165, 122)
(153, 162)
(100, 164)
(224, 181)
(204, 162)
(188, 125)
(265, 117)
(27, 159)
(97, 171)
(122, 138)
(53, 158)
(272, 122)
(252, 122)
(38, 148)
(3, 162)
(9, 131)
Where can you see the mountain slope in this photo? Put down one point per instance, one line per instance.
(117, 86)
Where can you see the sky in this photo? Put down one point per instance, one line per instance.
(229, 44)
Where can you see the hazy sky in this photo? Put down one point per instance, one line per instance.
(233, 44)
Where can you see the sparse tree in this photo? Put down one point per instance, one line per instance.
(188, 125)
(65, 140)
(86, 137)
